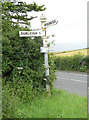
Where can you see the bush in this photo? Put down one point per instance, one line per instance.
(25, 53)
(10, 103)
(76, 62)
(83, 69)
(87, 62)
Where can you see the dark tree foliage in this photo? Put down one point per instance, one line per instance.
(18, 11)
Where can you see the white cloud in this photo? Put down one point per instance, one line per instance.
(72, 17)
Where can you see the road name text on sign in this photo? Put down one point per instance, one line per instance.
(50, 23)
(30, 33)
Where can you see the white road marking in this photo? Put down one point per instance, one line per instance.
(78, 80)
(77, 74)
(73, 80)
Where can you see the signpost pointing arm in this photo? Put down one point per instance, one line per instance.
(50, 23)
(30, 33)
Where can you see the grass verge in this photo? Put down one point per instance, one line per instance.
(60, 104)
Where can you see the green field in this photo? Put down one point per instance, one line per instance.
(73, 52)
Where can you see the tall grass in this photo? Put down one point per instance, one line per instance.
(59, 104)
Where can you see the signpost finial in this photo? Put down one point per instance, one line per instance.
(43, 17)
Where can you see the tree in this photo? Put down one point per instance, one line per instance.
(16, 12)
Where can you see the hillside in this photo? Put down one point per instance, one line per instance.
(73, 52)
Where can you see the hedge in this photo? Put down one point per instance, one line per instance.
(74, 63)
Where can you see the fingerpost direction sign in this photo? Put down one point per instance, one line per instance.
(30, 33)
(50, 23)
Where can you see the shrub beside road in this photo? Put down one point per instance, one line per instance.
(72, 63)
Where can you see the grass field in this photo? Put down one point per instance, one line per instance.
(60, 104)
(73, 52)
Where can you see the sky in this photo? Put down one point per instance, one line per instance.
(71, 16)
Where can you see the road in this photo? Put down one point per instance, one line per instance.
(73, 82)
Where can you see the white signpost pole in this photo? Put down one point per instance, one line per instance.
(43, 20)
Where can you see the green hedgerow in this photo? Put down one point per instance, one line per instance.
(75, 62)
(23, 53)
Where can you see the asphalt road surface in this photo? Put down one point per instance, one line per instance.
(73, 82)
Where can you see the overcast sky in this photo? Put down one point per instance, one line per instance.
(71, 16)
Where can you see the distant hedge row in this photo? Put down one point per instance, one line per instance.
(74, 63)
